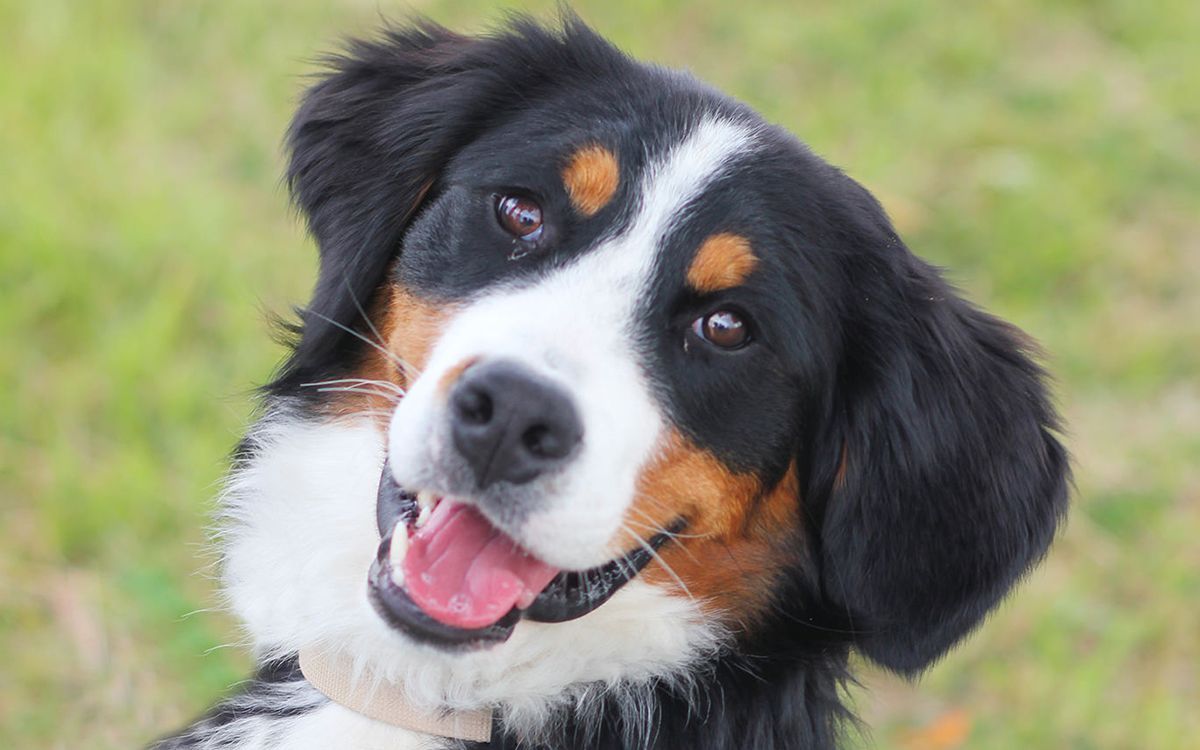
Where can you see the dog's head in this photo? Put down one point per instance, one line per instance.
(642, 334)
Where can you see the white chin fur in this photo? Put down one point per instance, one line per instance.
(299, 536)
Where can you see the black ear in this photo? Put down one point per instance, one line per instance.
(365, 144)
(371, 137)
(943, 480)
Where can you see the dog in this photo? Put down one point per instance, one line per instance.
(617, 419)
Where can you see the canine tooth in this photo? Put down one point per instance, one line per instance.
(398, 551)
(423, 516)
(426, 499)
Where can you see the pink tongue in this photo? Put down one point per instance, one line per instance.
(464, 572)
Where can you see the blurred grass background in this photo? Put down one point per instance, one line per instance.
(1048, 153)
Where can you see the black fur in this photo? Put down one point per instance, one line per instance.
(783, 688)
(269, 697)
(931, 480)
(370, 141)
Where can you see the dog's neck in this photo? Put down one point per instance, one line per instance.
(337, 678)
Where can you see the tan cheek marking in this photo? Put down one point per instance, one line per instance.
(739, 538)
(722, 262)
(410, 327)
(591, 178)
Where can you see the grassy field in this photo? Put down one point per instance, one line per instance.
(1048, 153)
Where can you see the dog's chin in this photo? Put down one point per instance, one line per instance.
(568, 594)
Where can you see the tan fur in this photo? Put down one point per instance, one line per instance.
(738, 540)
(839, 480)
(410, 326)
(591, 177)
(722, 262)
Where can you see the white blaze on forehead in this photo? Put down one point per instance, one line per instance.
(688, 169)
(578, 325)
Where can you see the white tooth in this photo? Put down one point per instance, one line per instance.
(423, 516)
(398, 551)
(426, 499)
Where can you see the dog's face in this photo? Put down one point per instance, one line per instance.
(643, 335)
(606, 358)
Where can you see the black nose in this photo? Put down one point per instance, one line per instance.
(510, 424)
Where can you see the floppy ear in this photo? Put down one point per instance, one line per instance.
(943, 478)
(370, 138)
(366, 144)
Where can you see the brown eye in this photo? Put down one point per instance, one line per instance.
(723, 328)
(520, 217)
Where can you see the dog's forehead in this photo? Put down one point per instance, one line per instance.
(641, 117)
(623, 213)
(630, 174)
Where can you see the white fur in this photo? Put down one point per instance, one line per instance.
(258, 723)
(319, 725)
(577, 326)
(299, 533)
(300, 539)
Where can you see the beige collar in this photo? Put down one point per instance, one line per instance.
(386, 702)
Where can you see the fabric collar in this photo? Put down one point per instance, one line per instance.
(384, 701)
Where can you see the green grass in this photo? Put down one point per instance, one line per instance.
(1048, 153)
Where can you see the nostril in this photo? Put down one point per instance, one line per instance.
(542, 442)
(510, 425)
(474, 406)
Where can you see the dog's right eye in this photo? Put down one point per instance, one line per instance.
(519, 216)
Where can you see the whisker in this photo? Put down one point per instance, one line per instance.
(373, 413)
(395, 359)
(361, 311)
(681, 546)
(672, 536)
(364, 391)
(670, 571)
(359, 389)
(663, 530)
(360, 381)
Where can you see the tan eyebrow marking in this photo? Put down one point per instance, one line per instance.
(591, 178)
(722, 262)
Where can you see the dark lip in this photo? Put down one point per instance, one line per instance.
(570, 595)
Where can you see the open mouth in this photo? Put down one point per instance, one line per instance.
(446, 576)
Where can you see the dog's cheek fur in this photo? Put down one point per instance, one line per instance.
(408, 326)
(741, 538)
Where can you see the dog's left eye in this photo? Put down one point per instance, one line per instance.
(724, 329)
(519, 216)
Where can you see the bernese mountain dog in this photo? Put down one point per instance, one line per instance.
(617, 419)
